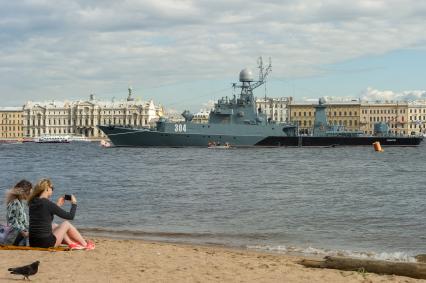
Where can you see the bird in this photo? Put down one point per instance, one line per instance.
(26, 270)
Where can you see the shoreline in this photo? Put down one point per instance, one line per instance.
(211, 240)
(150, 261)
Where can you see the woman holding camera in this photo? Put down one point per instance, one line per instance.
(42, 232)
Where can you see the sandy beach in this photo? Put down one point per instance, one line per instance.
(116, 260)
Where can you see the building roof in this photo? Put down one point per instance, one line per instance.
(102, 104)
(11, 109)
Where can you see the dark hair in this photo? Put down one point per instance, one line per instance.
(20, 191)
(24, 184)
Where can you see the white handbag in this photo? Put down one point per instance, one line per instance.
(4, 232)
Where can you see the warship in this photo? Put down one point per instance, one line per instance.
(237, 122)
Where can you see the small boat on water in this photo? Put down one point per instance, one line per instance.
(52, 139)
(214, 145)
(105, 143)
(60, 139)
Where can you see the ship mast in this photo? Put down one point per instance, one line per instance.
(246, 79)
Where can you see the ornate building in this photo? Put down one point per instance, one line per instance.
(82, 117)
(11, 123)
(275, 108)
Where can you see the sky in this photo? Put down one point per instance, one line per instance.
(184, 53)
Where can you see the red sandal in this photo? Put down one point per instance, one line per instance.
(76, 246)
(90, 246)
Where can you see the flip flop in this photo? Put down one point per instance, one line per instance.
(75, 246)
(90, 246)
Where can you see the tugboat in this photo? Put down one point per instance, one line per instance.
(236, 121)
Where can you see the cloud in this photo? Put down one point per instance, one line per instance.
(71, 48)
(372, 94)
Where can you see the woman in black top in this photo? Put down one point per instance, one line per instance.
(44, 234)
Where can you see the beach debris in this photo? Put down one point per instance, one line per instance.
(410, 269)
(26, 270)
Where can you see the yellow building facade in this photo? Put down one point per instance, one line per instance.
(11, 123)
(303, 115)
(394, 114)
(345, 114)
(403, 118)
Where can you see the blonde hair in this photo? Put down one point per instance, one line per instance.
(20, 191)
(39, 188)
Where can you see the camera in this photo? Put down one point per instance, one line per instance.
(67, 197)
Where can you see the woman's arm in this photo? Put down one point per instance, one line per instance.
(56, 210)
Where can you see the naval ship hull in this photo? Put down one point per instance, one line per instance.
(129, 137)
(121, 136)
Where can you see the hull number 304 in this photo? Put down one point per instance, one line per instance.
(179, 128)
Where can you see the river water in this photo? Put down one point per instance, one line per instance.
(343, 200)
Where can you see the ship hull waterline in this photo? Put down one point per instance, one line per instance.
(125, 137)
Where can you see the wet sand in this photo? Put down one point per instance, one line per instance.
(144, 261)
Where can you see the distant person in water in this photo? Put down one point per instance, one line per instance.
(45, 234)
(16, 213)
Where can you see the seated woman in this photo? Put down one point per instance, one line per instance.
(16, 215)
(42, 232)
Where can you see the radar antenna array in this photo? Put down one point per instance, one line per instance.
(263, 72)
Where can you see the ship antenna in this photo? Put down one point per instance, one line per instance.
(260, 63)
(263, 73)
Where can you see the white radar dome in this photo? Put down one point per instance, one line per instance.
(246, 75)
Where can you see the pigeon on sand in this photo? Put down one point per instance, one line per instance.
(26, 270)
